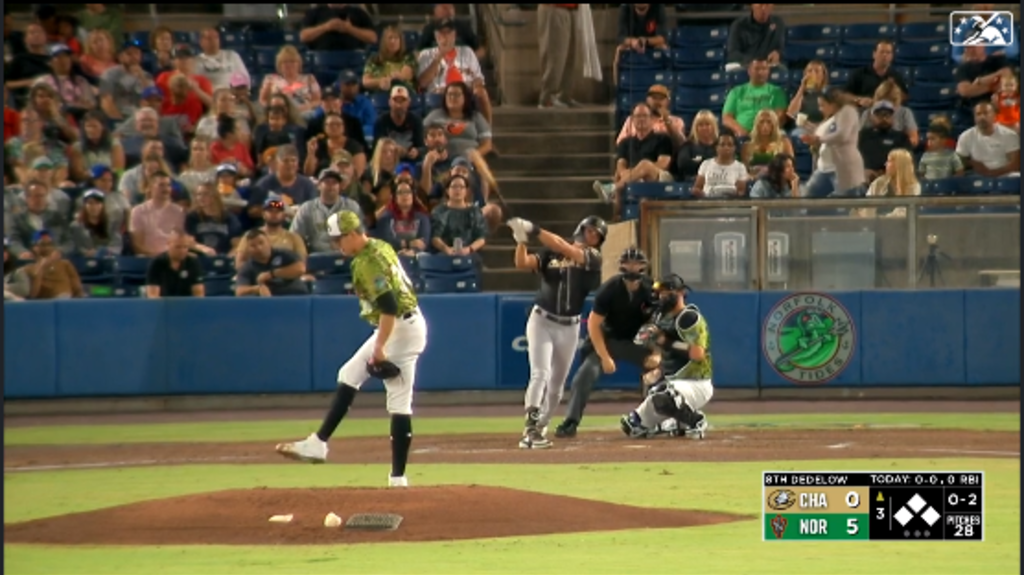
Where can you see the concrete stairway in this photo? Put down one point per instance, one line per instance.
(548, 161)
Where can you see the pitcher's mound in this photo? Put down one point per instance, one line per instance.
(442, 513)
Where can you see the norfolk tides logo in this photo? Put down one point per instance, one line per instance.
(808, 338)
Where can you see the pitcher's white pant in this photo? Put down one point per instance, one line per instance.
(404, 347)
(551, 347)
(694, 393)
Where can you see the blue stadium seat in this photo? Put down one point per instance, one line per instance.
(909, 73)
(941, 74)
(838, 76)
(410, 265)
(217, 266)
(332, 285)
(1006, 186)
(650, 60)
(820, 33)
(218, 287)
(924, 31)
(736, 77)
(690, 100)
(641, 80)
(95, 270)
(799, 54)
(630, 211)
(925, 53)
(974, 185)
(451, 284)
(924, 116)
(265, 59)
(236, 41)
(127, 291)
(190, 38)
(698, 36)
(381, 101)
(803, 163)
(855, 55)
(132, 270)
(690, 58)
(327, 265)
(701, 79)
(337, 60)
(943, 187)
(432, 101)
(140, 38)
(657, 191)
(440, 264)
(412, 39)
(267, 38)
(780, 77)
(931, 96)
(868, 33)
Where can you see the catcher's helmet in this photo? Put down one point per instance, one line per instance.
(671, 282)
(592, 222)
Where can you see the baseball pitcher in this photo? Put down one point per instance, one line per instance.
(679, 376)
(388, 302)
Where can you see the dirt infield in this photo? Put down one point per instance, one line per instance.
(453, 512)
(240, 517)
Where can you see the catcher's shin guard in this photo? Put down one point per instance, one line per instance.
(665, 404)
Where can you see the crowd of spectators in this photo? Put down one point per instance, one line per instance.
(165, 149)
(780, 132)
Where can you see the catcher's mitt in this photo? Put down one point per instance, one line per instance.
(383, 369)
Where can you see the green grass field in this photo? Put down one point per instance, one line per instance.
(729, 487)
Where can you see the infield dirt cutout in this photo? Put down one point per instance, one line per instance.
(441, 513)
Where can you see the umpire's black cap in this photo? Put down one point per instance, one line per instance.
(671, 282)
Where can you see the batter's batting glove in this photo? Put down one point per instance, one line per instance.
(383, 369)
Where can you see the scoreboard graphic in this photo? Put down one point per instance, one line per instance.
(873, 506)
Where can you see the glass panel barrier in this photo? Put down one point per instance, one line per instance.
(849, 244)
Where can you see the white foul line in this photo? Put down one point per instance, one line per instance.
(136, 462)
(973, 452)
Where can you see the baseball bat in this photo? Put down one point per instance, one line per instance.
(488, 177)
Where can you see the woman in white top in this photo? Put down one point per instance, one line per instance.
(200, 169)
(899, 180)
(840, 167)
(723, 176)
(303, 89)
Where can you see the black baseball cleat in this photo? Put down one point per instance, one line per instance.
(566, 429)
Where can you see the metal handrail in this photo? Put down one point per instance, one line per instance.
(651, 213)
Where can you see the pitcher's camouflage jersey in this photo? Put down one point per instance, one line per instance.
(376, 270)
(678, 365)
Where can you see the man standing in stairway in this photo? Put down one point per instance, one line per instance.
(558, 38)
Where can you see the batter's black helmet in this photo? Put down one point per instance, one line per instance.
(633, 254)
(592, 222)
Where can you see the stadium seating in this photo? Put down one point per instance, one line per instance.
(944, 187)
(1006, 186)
(641, 80)
(699, 58)
(448, 274)
(688, 100)
(657, 191)
(813, 33)
(323, 265)
(332, 285)
(335, 60)
(924, 53)
(182, 37)
(131, 270)
(974, 185)
(650, 60)
(838, 76)
(797, 55)
(932, 96)
(708, 78)
(855, 55)
(95, 270)
(698, 36)
(868, 34)
(934, 74)
(219, 287)
(924, 31)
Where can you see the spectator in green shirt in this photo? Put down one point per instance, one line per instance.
(746, 100)
(102, 17)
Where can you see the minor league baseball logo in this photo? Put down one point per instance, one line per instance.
(982, 28)
(808, 338)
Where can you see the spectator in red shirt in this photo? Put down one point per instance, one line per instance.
(183, 103)
(228, 147)
(12, 119)
(185, 63)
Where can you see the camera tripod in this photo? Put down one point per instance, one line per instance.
(932, 265)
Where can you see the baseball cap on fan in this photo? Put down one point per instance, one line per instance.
(341, 223)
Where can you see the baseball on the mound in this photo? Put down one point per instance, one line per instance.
(332, 520)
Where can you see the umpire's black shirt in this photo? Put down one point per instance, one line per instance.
(624, 312)
(564, 284)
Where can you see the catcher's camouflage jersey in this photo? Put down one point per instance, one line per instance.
(376, 270)
(677, 365)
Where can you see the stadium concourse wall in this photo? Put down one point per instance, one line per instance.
(766, 340)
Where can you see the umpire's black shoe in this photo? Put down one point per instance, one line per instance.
(566, 429)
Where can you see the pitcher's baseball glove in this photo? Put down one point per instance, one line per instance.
(383, 369)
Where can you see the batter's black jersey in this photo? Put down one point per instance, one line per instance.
(624, 312)
(565, 284)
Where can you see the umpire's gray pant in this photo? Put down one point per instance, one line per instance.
(590, 371)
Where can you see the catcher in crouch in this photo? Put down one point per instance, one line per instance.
(678, 375)
(387, 302)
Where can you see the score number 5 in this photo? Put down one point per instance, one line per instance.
(852, 527)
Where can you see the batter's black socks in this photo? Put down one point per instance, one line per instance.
(401, 440)
(343, 398)
(532, 417)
